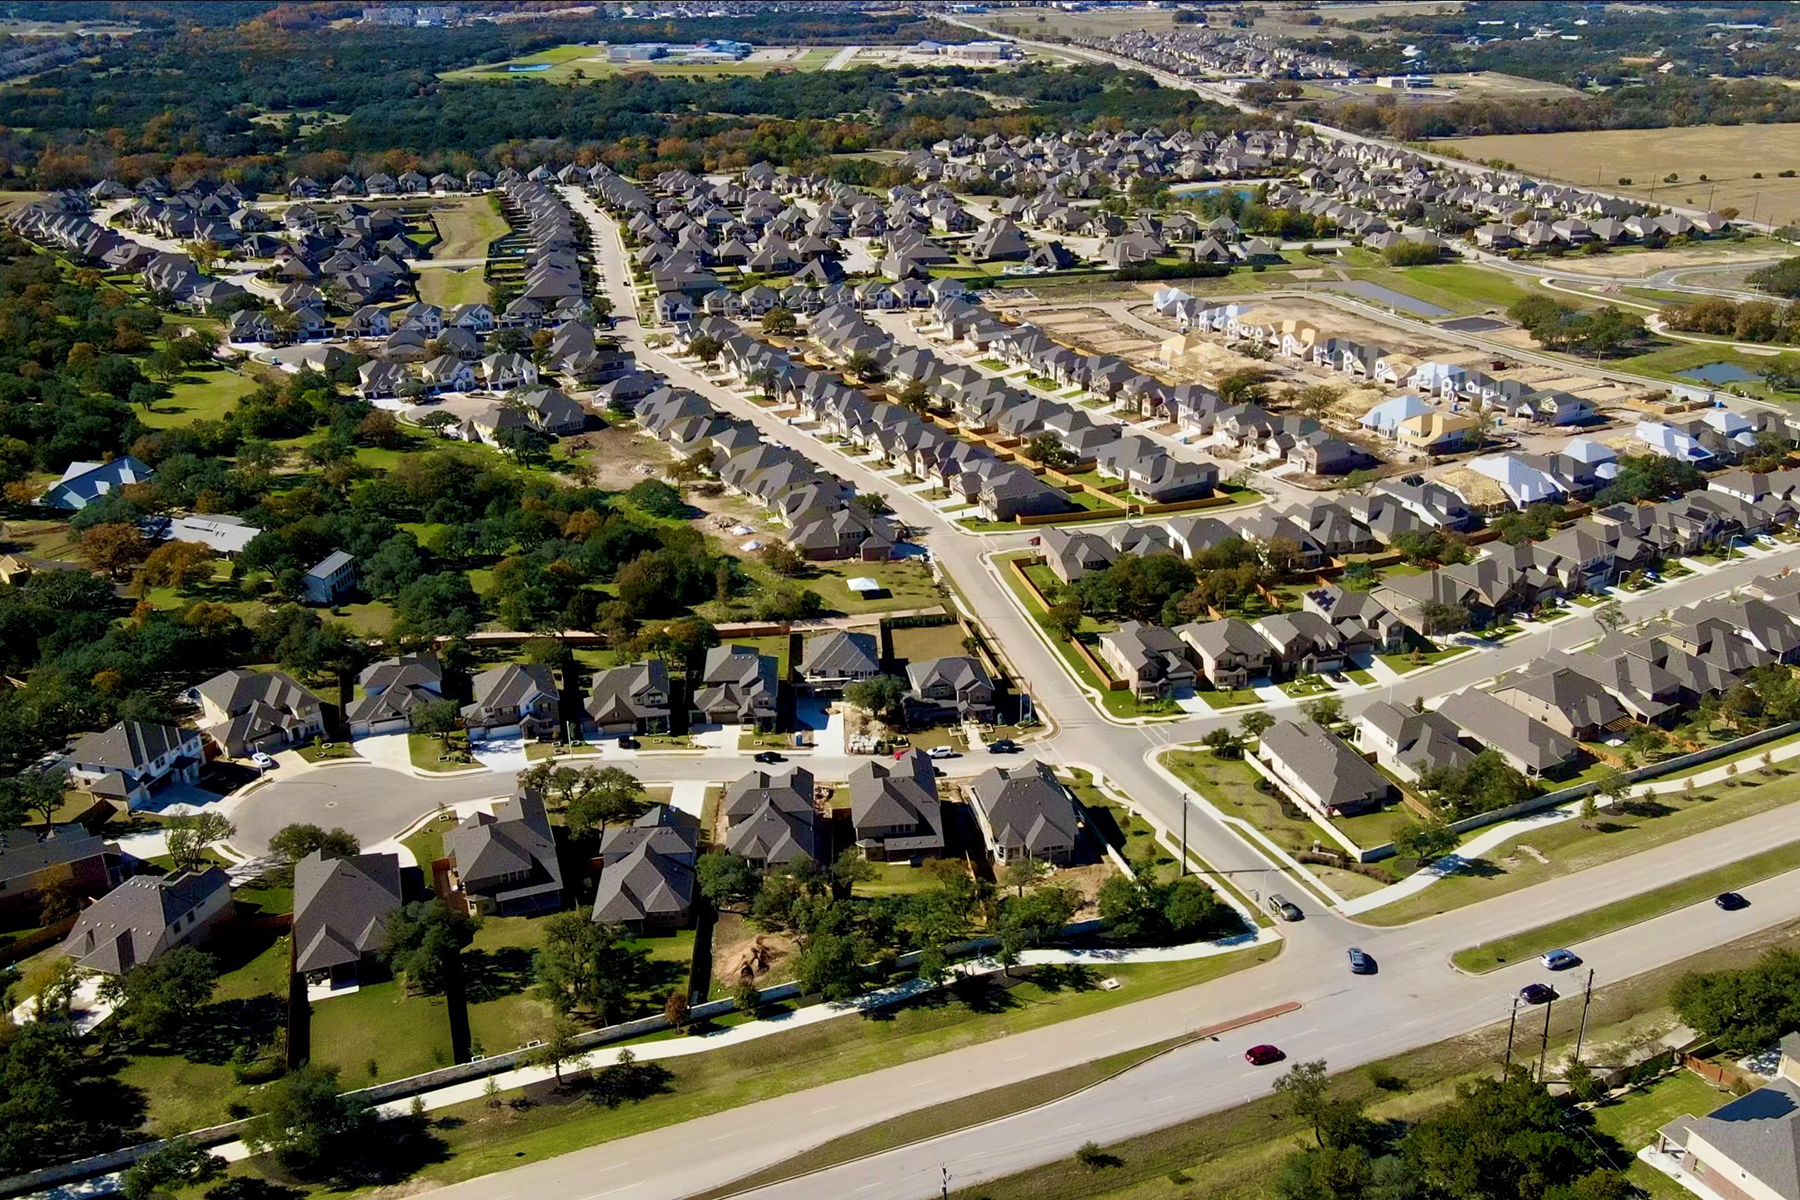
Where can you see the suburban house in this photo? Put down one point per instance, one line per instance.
(1025, 813)
(1411, 743)
(1568, 702)
(331, 580)
(772, 819)
(242, 712)
(147, 915)
(1319, 770)
(67, 859)
(1750, 1148)
(1531, 746)
(518, 699)
(1230, 651)
(628, 699)
(393, 691)
(647, 872)
(133, 760)
(894, 808)
(738, 686)
(833, 661)
(505, 861)
(341, 910)
(1153, 659)
(953, 686)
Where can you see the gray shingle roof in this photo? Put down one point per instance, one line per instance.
(341, 907)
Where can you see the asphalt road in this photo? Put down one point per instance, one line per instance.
(1416, 999)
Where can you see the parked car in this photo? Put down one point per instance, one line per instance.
(1537, 993)
(1003, 746)
(1730, 901)
(1559, 960)
(769, 756)
(262, 760)
(941, 752)
(1263, 1055)
(1282, 907)
(1361, 963)
(628, 743)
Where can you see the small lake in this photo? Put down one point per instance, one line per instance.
(1717, 372)
(526, 68)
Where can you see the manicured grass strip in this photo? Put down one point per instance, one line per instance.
(1489, 956)
(982, 1107)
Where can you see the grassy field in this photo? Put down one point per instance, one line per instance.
(1728, 156)
(467, 226)
(1230, 786)
(1571, 930)
(1568, 847)
(1232, 1155)
(580, 63)
(205, 395)
(1460, 287)
(380, 1033)
(447, 287)
(1667, 362)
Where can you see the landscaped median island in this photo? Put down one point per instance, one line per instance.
(1570, 845)
(1580, 927)
(1240, 1153)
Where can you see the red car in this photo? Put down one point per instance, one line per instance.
(1262, 1056)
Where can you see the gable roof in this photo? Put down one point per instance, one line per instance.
(341, 907)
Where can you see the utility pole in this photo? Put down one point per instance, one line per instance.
(1587, 998)
(1544, 1045)
(1511, 1025)
(945, 1193)
(1184, 808)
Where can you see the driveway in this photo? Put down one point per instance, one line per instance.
(501, 754)
(827, 727)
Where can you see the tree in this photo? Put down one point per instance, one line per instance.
(114, 549)
(726, 879)
(558, 1046)
(178, 565)
(1027, 920)
(779, 322)
(1610, 616)
(1482, 784)
(782, 559)
(1064, 618)
(158, 999)
(295, 842)
(863, 365)
(1223, 743)
(676, 1009)
(176, 1164)
(311, 1127)
(1315, 400)
(1324, 712)
(40, 792)
(1424, 840)
(849, 869)
(655, 498)
(586, 967)
(830, 963)
(883, 695)
(1439, 618)
(1047, 448)
(1307, 1089)
(1252, 725)
(188, 837)
(607, 795)
(706, 348)
(425, 942)
(1022, 873)
(439, 718)
(915, 396)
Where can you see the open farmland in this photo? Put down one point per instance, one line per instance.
(572, 63)
(1727, 155)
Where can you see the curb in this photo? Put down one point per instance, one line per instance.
(1203, 1033)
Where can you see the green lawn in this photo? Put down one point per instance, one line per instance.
(504, 1011)
(447, 287)
(907, 584)
(380, 1026)
(1634, 1118)
(1569, 847)
(1230, 786)
(1459, 287)
(1403, 663)
(466, 227)
(427, 845)
(484, 1140)
(204, 395)
(1664, 363)
(1644, 906)
(427, 748)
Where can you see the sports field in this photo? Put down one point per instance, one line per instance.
(1715, 165)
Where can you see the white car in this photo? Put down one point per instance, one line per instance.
(940, 752)
(262, 760)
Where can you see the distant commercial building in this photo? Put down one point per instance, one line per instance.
(412, 15)
(1403, 82)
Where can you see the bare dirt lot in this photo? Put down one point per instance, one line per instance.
(620, 456)
(1640, 264)
(1729, 156)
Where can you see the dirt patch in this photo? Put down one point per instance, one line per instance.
(742, 953)
(619, 457)
(1086, 882)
